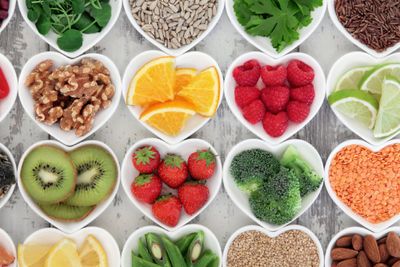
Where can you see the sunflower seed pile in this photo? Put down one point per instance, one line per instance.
(174, 23)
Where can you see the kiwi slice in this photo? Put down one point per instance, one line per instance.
(48, 174)
(97, 175)
(66, 212)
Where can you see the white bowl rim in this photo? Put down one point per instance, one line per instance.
(12, 83)
(11, 12)
(5, 199)
(10, 242)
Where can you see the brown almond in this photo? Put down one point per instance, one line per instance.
(339, 254)
(348, 263)
(380, 265)
(357, 242)
(396, 264)
(382, 240)
(334, 264)
(393, 244)
(371, 249)
(344, 241)
(362, 260)
(384, 253)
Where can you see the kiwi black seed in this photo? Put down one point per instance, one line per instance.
(66, 212)
(97, 175)
(48, 174)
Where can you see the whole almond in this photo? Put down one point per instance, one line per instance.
(357, 242)
(362, 260)
(344, 241)
(382, 240)
(384, 253)
(371, 249)
(393, 244)
(396, 264)
(348, 263)
(339, 254)
(380, 265)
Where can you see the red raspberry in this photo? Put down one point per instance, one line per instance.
(273, 76)
(246, 95)
(254, 112)
(248, 73)
(304, 94)
(275, 125)
(297, 111)
(275, 98)
(299, 73)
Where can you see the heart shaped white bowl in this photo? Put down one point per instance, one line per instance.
(197, 60)
(183, 49)
(272, 235)
(7, 103)
(50, 236)
(89, 40)
(8, 244)
(68, 138)
(308, 152)
(264, 43)
(371, 226)
(4, 199)
(340, 67)
(319, 87)
(354, 230)
(210, 241)
(183, 149)
(72, 226)
(340, 27)
(11, 11)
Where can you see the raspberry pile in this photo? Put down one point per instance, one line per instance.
(286, 96)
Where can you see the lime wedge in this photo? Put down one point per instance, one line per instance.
(373, 82)
(352, 78)
(388, 118)
(355, 104)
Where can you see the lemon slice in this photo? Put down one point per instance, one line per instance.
(32, 255)
(373, 83)
(92, 253)
(63, 254)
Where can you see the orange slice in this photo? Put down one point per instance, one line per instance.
(153, 82)
(203, 92)
(183, 77)
(169, 117)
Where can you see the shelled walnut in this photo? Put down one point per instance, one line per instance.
(70, 95)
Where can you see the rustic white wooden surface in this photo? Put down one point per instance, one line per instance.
(18, 132)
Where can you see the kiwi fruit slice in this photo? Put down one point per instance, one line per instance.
(97, 175)
(66, 212)
(48, 174)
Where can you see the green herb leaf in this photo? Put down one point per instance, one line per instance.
(43, 24)
(70, 41)
(78, 6)
(242, 11)
(103, 15)
(46, 8)
(87, 24)
(34, 13)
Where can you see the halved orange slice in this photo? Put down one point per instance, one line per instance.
(183, 77)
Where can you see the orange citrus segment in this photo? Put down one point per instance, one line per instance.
(203, 92)
(183, 77)
(153, 82)
(169, 117)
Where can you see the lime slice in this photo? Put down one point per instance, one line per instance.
(388, 118)
(373, 82)
(355, 104)
(352, 78)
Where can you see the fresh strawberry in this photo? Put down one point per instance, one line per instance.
(248, 73)
(246, 95)
(275, 125)
(146, 159)
(254, 112)
(273, 76)
(193, 195)
(304, 94)
(275, 98)
(297, 111)
(147, 187)
(173, 170)
(299, 73)
(201, 164)
(167, 209)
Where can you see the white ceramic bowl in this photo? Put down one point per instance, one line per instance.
(257, 129)
(11, 11)
(354, 230)
(308, 152)
(7, 103)
(8, 244)
(4, 200)
(196, 60)
(89, 40)
(102, 116)
(183, 149)
(273, 234)
(183, 49)
(50, 236)
(340, 67)
(210, 241)
(340, 27)
(264, 43)
(72, 226)
(375, 227)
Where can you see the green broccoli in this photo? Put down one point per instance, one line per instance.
(251, 168)
(309, 180)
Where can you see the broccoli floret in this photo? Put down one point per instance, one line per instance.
(309, 180)
(251, 168)
(278, 200)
